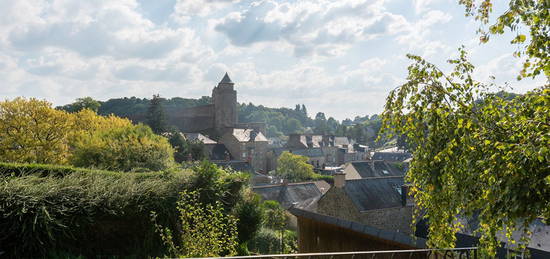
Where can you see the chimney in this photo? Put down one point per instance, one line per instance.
(406, 197)
(339, 179)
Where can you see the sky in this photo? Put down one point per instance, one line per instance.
(341, 57)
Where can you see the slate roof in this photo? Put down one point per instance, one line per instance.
(226, 79)
(202, 138)
(302, 195)
(244, 135)
(375, 193)
(391, 156)
(381, 169)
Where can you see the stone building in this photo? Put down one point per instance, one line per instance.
(381, 202)
(336, 150)
(219, 121)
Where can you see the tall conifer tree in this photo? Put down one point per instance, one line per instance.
(156, 116)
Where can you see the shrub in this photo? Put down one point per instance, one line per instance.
(204, 230)
(123, 149)
(84, 212)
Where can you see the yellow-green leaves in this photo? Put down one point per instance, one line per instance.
(475, 153)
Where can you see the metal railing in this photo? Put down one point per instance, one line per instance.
(451, 253)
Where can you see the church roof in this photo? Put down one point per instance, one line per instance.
(226, 79)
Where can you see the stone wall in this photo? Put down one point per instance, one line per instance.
(394, 219)
(194, 119)
(336, 203)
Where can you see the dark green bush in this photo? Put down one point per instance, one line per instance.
(44, 209)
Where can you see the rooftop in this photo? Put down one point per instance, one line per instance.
(375, 193)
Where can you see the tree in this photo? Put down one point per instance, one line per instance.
(485, 158)
(156, 116)
(320, 124)
(251, 216)
(31, 131)
(535, 15)
(130, 148)
(205, 230)
(293, 126)
(276, 219)
(82, 104)
(180, 146)
(293, 167)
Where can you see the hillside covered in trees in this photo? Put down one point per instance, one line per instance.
(279, 121)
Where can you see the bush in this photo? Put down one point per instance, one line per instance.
(123, 149)
(326, 178)
(85, 212)
(50, 211)
(268, 241)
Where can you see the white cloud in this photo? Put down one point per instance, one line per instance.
(339, 57)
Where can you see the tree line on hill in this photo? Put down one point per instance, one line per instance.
(280, 122)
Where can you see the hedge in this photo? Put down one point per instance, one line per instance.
(47, 210)
(15, 169)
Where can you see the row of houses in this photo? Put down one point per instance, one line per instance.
(369, 207)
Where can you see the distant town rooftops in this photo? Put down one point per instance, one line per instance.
(246, 135)
(391, 156)
(376, 168)
(200, 137)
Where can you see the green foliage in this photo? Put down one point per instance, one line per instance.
(185, 149)
(268, 241)
(275, 217)
(82, 104)
(322, 177)
(533, 14)
(487, 158)
(84, 212)
(128, 148)
(205, 230)
(251, 216)
(156, 116)
(293, 167)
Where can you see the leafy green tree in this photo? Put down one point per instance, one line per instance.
(533, 14)
(320, 124)
(489, 159)
(251, 216)
(156, 116)
(81, 104)
(293, 126)
(294, 167)
(180, 146)
(205, 230)
(130, 148)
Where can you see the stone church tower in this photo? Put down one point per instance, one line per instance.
(224, 99)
